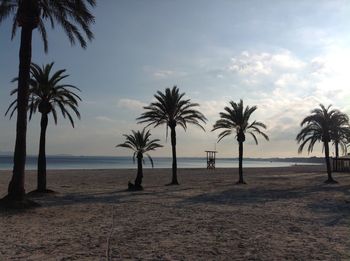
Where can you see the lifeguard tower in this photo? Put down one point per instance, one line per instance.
(211, 155)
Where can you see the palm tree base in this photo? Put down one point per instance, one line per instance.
(331, 181)
(241, 183)
(41, 193)
(132, 187)
(25, 203)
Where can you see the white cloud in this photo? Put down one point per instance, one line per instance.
(286, 60)
(286, 79)
(264, 63)
(331, 75)
(89, 102)
(211, 109)
(286, 88)
(104, 118)
(131, 104)
(161, 74)
(318, 67)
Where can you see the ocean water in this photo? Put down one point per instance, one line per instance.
(87, 162)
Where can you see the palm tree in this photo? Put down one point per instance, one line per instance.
(320, 126)
(235, 120)
(340, 133)
(139, 142)
(48, 95)
(171, 109)
(73, 16)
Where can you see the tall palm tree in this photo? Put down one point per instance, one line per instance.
(171, 109)
(48, 95)
(139, 142)
(73, 16)
(320, 126)
(235, 120)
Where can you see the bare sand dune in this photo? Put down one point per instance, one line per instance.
(282, 214)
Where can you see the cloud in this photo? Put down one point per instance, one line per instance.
(264, 63)
(131, 104)
(211, 109)
(286, 60)
(166, 74)
(90, 102)
(161, 74)
(285, 88)
(104, 118)
(282, 112)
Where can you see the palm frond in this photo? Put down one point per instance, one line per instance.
(74, 17)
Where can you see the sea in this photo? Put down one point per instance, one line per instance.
(99, 162)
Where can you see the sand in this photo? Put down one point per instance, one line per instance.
(282, 214)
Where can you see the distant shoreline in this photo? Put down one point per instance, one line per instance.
(282, 168)
(98, 163)
(285, 159)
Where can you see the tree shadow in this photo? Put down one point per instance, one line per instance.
(108, 197)
(113, 197)
(236, 196)
(337, 209)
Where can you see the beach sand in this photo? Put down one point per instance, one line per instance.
(282, 214)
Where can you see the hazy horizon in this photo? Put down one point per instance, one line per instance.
(286, 57)
(10, 154)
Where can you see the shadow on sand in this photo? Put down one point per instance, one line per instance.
(338, 208)
(108, 197)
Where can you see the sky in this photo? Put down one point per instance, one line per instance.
(284, 56)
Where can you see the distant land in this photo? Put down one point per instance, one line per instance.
(273, 159)
(6, 153)
(292, 159)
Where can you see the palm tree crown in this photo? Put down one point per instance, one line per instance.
(340, 133)
(72, 15)
(323, 124)
(171, 109)
(235, 120)
(139, 142)
(47, 94)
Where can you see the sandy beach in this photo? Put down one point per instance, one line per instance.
(282, 214)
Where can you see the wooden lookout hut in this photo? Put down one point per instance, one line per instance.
(211, 155)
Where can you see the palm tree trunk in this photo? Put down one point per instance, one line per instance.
(240, 166)
(328, 163)
(336, 149)
(174, 180)
(16, 187)
(138, 180)
(42, 154)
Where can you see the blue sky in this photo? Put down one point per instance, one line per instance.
(286, 57)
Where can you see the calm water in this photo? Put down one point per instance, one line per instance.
(70, 162)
